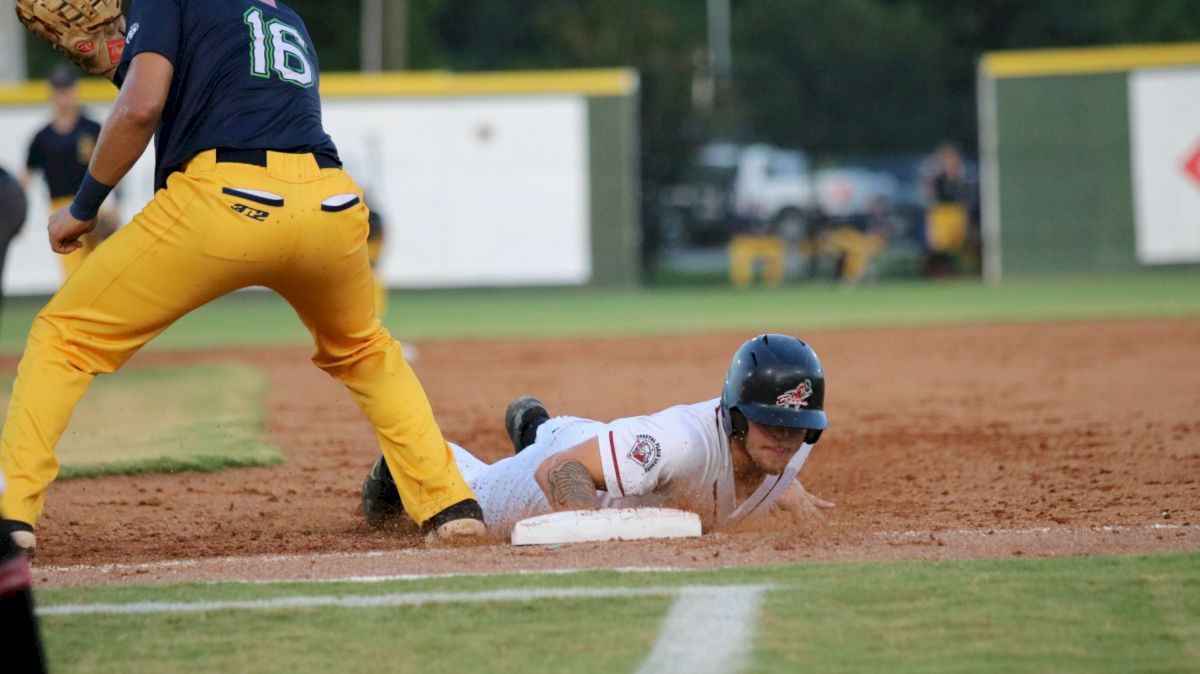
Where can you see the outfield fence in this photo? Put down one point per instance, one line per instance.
(1090, 159)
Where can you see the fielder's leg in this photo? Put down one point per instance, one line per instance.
(331, 287)
(146, 276)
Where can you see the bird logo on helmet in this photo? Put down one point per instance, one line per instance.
(774, 380)
(797, 397)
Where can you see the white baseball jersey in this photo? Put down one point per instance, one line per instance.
(677, 458)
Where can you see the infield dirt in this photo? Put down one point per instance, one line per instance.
(1034, 440)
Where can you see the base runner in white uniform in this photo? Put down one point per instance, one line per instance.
(725, 459)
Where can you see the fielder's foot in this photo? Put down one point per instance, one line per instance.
(22, 535)
(460, 524)
(522, 419)
(380, 498)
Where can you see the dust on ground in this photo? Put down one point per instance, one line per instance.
(1025, 440)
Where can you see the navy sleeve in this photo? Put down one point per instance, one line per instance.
(153, 26)
(36, 158)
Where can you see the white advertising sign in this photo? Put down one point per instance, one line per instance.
(1164, 109)
(474, 191)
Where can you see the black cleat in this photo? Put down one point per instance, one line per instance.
(380, 498)
(22, 535)
(521, 421)
(460, 523)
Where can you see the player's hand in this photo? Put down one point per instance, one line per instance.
(798, 500)
(813, 500)
(65, 231)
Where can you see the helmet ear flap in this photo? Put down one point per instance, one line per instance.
(812, 436)
(738, 423)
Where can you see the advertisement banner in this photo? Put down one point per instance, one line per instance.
(474, 190)
(1165, 154)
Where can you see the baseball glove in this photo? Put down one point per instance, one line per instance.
(90, 32)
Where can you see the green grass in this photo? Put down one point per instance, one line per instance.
(194, 417)
(1058, 615)
(260, 318)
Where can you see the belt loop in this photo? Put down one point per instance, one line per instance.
(291, 166)
(204, 161)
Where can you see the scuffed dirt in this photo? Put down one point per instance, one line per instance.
(1040, 434)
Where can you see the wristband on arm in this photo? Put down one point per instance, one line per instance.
(88, 199)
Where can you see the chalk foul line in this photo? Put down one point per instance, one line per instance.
(707, 631)
(372, 601)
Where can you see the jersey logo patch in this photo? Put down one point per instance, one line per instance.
(252, 213)
(797, 397)
(646, 452)
(131, 32)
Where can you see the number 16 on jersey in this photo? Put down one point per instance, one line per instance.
(276, 46)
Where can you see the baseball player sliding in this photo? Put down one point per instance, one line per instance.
(249, 192)
(726, 459)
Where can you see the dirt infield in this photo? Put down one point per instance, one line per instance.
(1031, 440)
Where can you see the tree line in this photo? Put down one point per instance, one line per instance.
(833, 77)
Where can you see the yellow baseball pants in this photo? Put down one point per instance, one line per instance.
(374, 250)
(946, 228)
(858, 249)
(71, 261)
(301, 231)
(746, 249)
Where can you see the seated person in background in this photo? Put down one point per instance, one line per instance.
(726, 459)
(857, 241)
(752, 241)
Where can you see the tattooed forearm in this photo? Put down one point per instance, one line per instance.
(569, 487)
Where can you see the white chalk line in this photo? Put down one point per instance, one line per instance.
(147, 567)
(707, 631)
(254, 560)
(982, 533)
(372, 601)
(184, 563)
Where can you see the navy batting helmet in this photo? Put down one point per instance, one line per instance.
(775, 380)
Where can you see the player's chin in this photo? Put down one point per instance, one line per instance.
(773, 461)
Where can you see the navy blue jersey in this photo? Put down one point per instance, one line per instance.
(63, 157)
(246, 78)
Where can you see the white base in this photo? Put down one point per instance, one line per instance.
(609, 524)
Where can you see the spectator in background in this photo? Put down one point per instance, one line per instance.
(61, 150)
(948, 196)
(855, 242)
(753, 241)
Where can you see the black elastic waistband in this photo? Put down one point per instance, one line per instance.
(259, 158)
